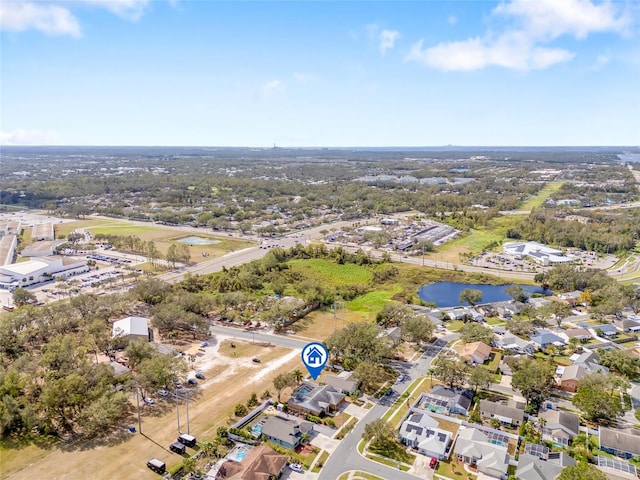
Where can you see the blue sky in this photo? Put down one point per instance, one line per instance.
(420, 73)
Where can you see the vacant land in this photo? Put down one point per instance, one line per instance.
(331, 273)
(538, 200)
(125, 457)
(162, 236)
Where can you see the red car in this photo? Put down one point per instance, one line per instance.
(433, 462)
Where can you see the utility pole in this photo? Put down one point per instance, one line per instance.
(187, 400)
(177, 410)
(138, 405)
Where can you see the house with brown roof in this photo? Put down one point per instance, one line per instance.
(261, 463)
(581, 334)
(476, 352)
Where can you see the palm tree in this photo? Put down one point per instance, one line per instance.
(298, 375)
(209, 448)
(431, 372)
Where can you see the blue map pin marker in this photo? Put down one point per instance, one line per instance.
(315, 356)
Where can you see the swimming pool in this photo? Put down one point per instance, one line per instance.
(238, 453)
(257, 430)
(498, 442)
(303, 391)
(435, 408)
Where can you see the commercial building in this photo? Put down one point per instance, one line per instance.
(24, 274)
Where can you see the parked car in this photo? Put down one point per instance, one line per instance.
(433, 463)
(149, 401)
(204, 344)
(200, 375)
(192, 381)
(163, 393)
(296, 467)
(256, 360)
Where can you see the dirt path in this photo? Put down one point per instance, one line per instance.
(235, 380)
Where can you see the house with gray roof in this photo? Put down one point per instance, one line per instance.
(627, 325)
(622, 443)
(456, 401)
(581, 334)
(507, 414)
(512, 342)
(421, 431)
(608, 330)
(343, 382)
(317, 400)
(285, 432)
(531, 467)
(543, 338)
(474, 448)
(559, 426)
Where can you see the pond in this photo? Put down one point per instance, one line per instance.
(198, 241)
(446, 294)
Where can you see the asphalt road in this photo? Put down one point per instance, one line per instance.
(346, 456)
(259, 336)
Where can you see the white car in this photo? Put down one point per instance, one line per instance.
(163, 393)
(149, 401)
(296, 467)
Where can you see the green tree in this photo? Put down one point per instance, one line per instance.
(417, 329)
(22, 296)
(581, 471)
(517, 293)
(161, 371)
(189, 465)
(137, 352)
(621, 361)
(559, 311)
(298, 375)
(370, 375)
(450, 369)
(393, 314)
(470, 296)
(533, 378)
(381, 434)
(356, 343)
(282, 381)
(598, 396)
(480, 378)
(474, 332)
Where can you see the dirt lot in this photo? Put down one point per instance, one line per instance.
(229, 380)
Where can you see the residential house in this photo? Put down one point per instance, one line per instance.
(315, 399)
(286, 433)
(509, 308)
(131, 328)
(507, 414)
(539, 302)
(454, 401)
(392, 335)
(559, 426)
(616, 469)
(508, 341)
(627, 325)
(571, 376)
(343, 382)
(465, 312)
(543, 338)
(581, 334)
(476, 352)
(421, 431)
(608, 330)
(532, 467)
(622, 443)
(474, 448)
(570, 298)
(260, 463)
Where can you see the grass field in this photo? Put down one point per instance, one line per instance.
(331, 273)
(538, 200)
(163, 236)
(372, 301)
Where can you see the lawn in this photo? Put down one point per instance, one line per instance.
(331, 273)
(163, 236)
(447, 469)
(321, 461)
(454, 325)
(359, 476)
(244, 349)
(372, 301)
(538, 200)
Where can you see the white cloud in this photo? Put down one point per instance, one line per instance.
(129, 9)
(56, 17)
(49, 19)
(28, 137)
(304, 78)
(521, 46)
(388, 40)
(271, 88)
(553, 18)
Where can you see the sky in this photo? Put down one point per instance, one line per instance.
(320, 73)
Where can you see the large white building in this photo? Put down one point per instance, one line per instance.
(536, 252)
(131, 328)
(32, 272)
